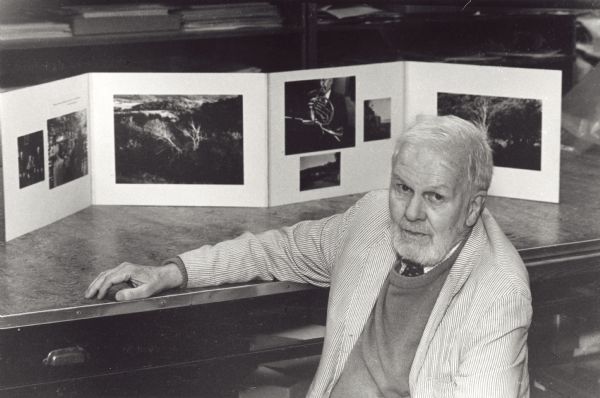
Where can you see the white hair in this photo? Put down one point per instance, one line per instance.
(453, 133)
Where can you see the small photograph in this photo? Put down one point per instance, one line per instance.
(67, 148)
(320, 114)
(378, 119)
(179, 139)
(31, 158)
(514, 125)
(320, 171)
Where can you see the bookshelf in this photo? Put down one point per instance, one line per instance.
(266, 45)
(491, 32)
(504, 37)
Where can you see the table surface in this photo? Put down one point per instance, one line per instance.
(43, 275)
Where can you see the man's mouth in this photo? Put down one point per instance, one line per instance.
(416, 234)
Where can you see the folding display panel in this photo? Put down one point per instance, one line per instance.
(255, 139)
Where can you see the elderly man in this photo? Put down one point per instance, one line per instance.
(428, 298)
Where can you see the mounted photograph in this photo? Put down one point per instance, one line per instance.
(320, 114)
(320, 171)
(31, 158)
(67, 148)
(514, 125)
(179, 139)
(377, 119)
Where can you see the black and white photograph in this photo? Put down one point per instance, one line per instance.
(179, 139)
(320, 114)
(31, 158)
(320, 171)
(377, 119)
(67, 148)
(287, 198)
(514, 125)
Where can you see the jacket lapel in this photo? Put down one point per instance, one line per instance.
(380, 258)
(457, 277)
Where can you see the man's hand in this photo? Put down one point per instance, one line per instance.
(321, 110)
(145, 280)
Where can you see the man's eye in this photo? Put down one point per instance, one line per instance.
(436, 197)
(403, 188)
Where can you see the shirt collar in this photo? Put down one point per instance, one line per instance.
(450, 253)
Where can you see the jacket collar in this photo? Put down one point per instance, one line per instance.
(380, 259)
(459, 273)
(377, 262)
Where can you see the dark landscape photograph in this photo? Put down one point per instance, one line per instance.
(31, 158)
(179, 139)
(319, 171)
(320, 114)
(514, 125)
(67, 148)
(378, 119)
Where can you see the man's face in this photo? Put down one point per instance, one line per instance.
(430, 204)
(326, 85)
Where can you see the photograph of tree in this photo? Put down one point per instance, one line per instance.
(319, 171)
(378, 119)
(67, 148)
(319, 114)
(179, 139)
(31, 158)
(514, 125)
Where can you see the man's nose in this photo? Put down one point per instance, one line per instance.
(414, 210)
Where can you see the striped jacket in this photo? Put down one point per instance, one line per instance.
(474, 343)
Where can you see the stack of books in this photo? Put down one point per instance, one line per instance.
(122, 18)
(230, 16)
(360, 13)
(33, 30)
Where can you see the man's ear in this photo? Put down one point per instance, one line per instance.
(476, 205)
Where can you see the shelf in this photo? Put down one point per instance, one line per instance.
(487, 3)
(142, 37)
(303, 41)
(410, 20)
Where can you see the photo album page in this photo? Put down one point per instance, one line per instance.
(45, 154)
(332, 131)
(520, 108)
(257, 139)
(179, 139)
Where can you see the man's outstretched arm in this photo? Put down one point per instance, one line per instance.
(304, 253)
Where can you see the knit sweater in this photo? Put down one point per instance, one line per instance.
(380, 362)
